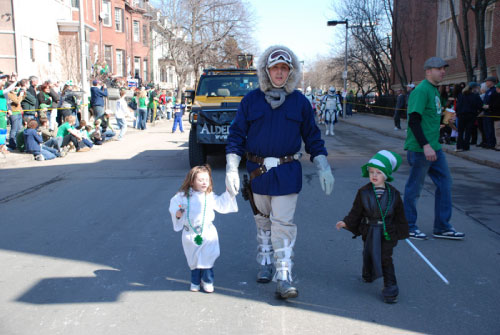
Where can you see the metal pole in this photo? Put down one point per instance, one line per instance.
(83, 63)
(345, 68)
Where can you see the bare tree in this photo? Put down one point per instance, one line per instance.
(370, 32)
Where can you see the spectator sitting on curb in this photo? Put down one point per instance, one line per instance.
(96, 135)
(49, 137)
(107, 129)
(82, 128)
(34, 143)
(67, 134)
(20, 136)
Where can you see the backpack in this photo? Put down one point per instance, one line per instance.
(133, 104)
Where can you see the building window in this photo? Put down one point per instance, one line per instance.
(32, 49)
(144, 34)
(120, 55)
(75, 3)
(50, 52)
(488, 25)
(93, 11)
(447, 38)
(171, 75)
(106, 13)
(119, 19)
(108, 57)
(137, 66)
(145, 70)
(137, 32)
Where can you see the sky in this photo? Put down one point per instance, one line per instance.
(297, 24)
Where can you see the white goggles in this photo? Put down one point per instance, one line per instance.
(279, 56)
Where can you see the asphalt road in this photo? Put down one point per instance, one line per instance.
(87, 247)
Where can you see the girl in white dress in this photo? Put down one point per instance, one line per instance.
(193, 211)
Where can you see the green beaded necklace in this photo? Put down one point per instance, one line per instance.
(386, 235)
(198, 239)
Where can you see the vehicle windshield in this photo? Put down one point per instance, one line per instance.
(227, 86)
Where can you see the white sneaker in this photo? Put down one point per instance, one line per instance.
(396, 128)
(327, 132)
(207, 287)
(332, 133)
(194, 288)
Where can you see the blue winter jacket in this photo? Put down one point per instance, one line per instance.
(267, 132)
(96, 96)
(32, 141)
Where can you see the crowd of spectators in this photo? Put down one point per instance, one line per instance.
(46, 121)
(470, 114)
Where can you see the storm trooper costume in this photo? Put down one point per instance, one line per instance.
(269, 127)
(330, 106)
(310, 96)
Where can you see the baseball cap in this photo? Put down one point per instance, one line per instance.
(95, 82)
(411, 85)
(492, 78)
(434, 62)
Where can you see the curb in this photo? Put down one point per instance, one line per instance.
(485, 162)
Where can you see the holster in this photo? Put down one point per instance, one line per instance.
(247, 194)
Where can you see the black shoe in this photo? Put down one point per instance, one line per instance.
(391, 300)
(285, 290)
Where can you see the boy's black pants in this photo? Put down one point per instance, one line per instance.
(390, 282)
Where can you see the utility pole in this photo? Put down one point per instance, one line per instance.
(344, 75)
(83, 64)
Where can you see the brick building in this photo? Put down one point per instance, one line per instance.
(426, 29)
(119, 36)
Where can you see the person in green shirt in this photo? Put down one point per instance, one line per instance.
(425, 155)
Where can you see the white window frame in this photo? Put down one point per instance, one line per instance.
(106, 11)
(93, 12)
(136, 31)
(120, 61)
(145, 70)
(489, 18)
(109, 61)
(119, 19)
(446, 47)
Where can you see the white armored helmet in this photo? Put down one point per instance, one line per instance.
(308, 90)
(331, 90)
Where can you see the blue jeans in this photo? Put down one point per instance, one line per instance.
(87, 142)
(177, 121)
(53, 143)
(108, 134)
(141, 119)
(489, 132)
(440, 175)
(16, 125)
(207, 275)
(122, 125)
(99, 111)
(49, 153)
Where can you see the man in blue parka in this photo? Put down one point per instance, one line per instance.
(269, 128)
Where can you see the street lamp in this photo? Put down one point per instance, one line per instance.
(344, 75)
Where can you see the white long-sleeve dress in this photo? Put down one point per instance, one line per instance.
(200, 256)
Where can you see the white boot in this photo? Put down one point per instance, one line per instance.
(326, 134)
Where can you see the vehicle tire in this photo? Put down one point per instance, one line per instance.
(197, 151)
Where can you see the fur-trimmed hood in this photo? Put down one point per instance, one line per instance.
(265, 81)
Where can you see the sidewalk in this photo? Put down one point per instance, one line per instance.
(385, 126)
(16, 158)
